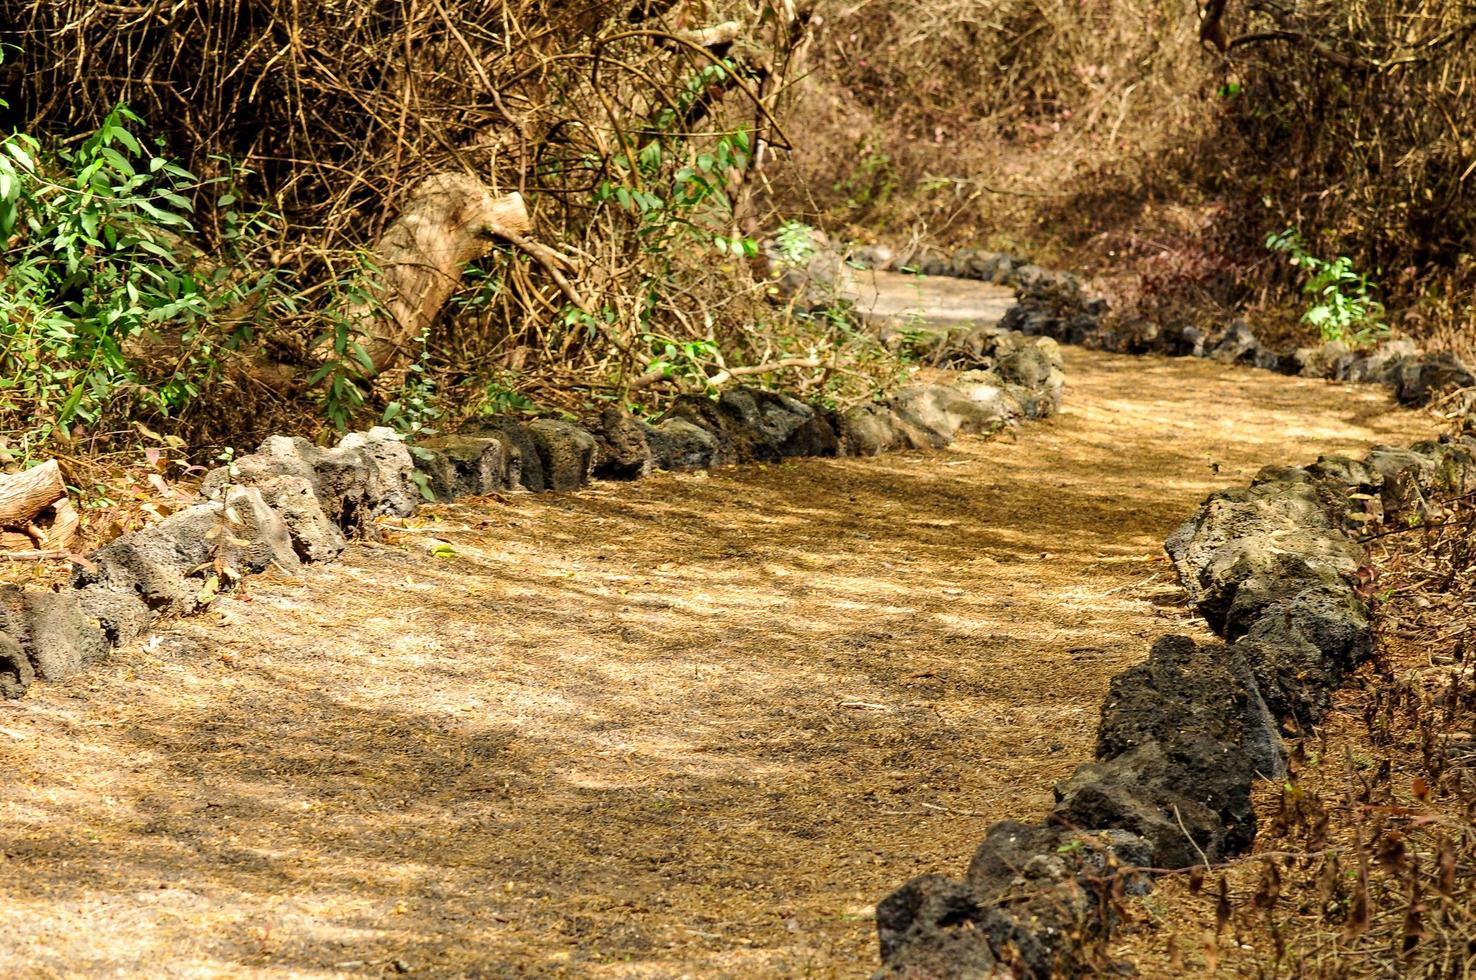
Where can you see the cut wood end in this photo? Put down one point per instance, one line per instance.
(507, 217)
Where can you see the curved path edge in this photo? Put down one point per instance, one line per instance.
(293, 503)
(1277, 571)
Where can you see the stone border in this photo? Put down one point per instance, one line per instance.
(292, 503)
(1053, 304)
(1276, 571)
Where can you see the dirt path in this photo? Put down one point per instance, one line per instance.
(694, 726)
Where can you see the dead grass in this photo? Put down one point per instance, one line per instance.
(694, 726)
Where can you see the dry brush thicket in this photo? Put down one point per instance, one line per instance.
(635, 132)
(1158, 142)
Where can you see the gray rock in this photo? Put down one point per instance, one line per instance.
(1420, 380)
(524, 466)
(314, 536)
(679, 444)
(1262, 532)
(463, 465)
(566, 450)
(1322, 361)
(942, 412)
(870, 430)
(878, 257)
(391, 489)
(368, 475)
(165, 564)
(16, 672)
(119, 611)
(623, 452)
(755, 425)
(53, 629)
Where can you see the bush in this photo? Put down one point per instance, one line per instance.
(107, 303)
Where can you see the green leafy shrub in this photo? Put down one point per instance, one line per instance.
(1342, 304)
(106, 300)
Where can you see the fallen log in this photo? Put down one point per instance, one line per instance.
(23, 496)
(449, 220)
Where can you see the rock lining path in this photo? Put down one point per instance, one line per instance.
(693, 726)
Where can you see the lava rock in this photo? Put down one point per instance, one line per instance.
(53, 629)
(1421, 380)
(623, 450)
(1190, 801)
(679, 444)
(368, 475)
(1185, 689)
(314, 536)
(165, 564)
(566, 451)
(16, 672)
(1246, 533)
(462, 465)
(930, 928)
(119, 610)
(524, 465)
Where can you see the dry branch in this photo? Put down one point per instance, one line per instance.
(449, 221)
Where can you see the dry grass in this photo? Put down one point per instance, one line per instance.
(695, 725)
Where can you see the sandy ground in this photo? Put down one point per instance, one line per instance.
(695, 726)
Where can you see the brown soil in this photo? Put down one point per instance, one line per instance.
(694, 726)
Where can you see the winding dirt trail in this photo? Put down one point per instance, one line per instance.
(694, 726)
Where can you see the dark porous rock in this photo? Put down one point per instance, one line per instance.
(1381, 365)
(1302, 646)
(1190, 800)
(1238, 346)
(566, 450)
(1420, 380)
(679, 444)
(1033, 898)
(1292, 675)
(623, 451)
(768, 426)
(16, 672)
(704, 413)
(524, 466)
(1185, 689)
(463, 465)
(60, 638)
(1014, 852)
(751, 424)
(118, 609)
(930, 928)
(166, 563)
